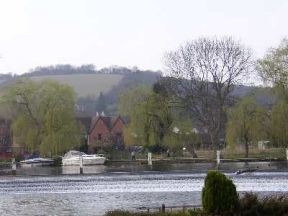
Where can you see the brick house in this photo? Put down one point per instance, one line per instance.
(103, 132)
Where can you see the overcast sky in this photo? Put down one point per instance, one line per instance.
(128, 32)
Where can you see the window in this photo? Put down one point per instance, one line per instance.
(99, 136)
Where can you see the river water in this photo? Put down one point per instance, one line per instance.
(63, 191)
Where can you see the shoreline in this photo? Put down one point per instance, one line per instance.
(191, 160)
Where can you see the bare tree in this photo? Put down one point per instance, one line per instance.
(204, 72)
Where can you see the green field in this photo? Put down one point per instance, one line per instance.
(87, 84)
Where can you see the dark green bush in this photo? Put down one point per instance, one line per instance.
(251, 205)
(219, 195)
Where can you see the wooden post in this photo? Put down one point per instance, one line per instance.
(13, 166)
(218, 156)
(149, 158)
(163, 208)
(81, 164)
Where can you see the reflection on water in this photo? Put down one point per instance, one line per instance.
(63, 191)
(86, 169)
(194, 167)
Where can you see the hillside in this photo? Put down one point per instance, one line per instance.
(87, 84)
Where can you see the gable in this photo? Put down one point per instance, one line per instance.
(113, 124)
(99, 124)
(118, 125)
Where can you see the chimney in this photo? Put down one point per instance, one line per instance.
(97, 114)
(102, 113)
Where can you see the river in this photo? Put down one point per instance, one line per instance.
(63, 191)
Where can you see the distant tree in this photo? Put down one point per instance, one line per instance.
(204, 73)
(61, 69)
(101, 105)
(6, 77)
(88, 104)
(43, 116)
(87, 67)
(115, 69)
(127, 82)
(247, 122)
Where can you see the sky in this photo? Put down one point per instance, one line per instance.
(128, 32)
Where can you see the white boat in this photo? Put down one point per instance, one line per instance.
(72, 158)
(38, 161)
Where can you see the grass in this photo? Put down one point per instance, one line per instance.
(255, 153)
(275, 153)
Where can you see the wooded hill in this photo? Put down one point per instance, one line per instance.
(89, 84)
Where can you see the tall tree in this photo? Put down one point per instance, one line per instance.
(279, 117)
(273, 68)
(43, 115)
(204, 72)
(246, 123)
(130, 105)
(149, 116)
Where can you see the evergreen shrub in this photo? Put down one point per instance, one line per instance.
(219, 195)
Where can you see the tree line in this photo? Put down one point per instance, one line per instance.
(68, 69)
(195, 97)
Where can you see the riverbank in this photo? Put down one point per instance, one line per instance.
(181, 160)
(4, 166)
(203, 156)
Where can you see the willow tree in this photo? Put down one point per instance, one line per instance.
(130, 105)
(149, 116)
(43, 116)
(246, 123)
(204, 73)
(279, 117)
(273, 68)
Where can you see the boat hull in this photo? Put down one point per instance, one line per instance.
(37, 162)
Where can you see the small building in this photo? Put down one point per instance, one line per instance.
(263, 144)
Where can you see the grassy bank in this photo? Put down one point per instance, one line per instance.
(250, 205)
(276, 154)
